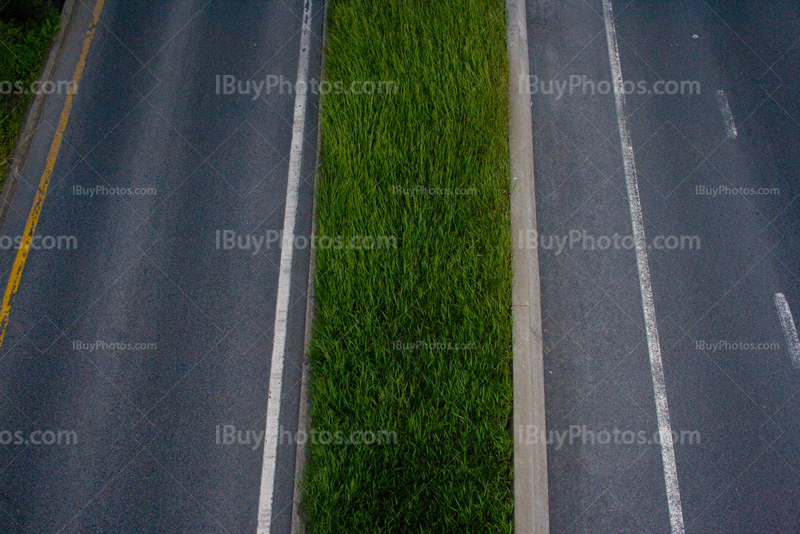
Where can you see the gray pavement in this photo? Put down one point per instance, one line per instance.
(716, 262)
(147, 338)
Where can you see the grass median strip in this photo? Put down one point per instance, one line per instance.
(24, 44)
(412, 342)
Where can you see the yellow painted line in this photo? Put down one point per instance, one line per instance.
(44, 182)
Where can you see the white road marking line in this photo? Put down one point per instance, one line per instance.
(284, 283)
(727, 116)
(637, 222)
(789, 329)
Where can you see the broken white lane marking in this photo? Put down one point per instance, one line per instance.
(727, 116)
(789, 328)
(637, 222)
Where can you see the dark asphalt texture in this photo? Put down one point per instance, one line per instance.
(744, 474)
(147, 270)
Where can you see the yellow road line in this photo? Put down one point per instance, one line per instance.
(44, 182)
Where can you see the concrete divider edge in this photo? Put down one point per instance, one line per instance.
(531, 508)
(25, 137)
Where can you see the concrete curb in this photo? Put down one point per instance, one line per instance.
(23, 145)
(531, 508)
(304, 418)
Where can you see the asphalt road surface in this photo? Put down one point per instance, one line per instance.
(717, 257)
(142, 336)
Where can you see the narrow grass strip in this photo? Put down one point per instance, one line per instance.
(412, 343)
(23, 49)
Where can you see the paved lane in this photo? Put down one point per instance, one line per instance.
(149, 337)
(730, 381)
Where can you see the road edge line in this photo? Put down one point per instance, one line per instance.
(25, 137)
(303, 418)
(531, 506)
(275, 393)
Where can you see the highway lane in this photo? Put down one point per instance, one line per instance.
(147, 338)
(730, 383)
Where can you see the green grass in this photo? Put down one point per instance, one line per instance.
(448, 280)
(24, 46)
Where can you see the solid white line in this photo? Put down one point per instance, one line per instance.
(789, 329)
(637, 222)
(284, 283)
(727, 116)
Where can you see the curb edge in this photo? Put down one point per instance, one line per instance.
(304, 419)
(531, 507)
(25, 137)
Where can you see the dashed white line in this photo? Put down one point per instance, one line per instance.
(727, 116)
(789, 329)
(637, 222)
(284, 283)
